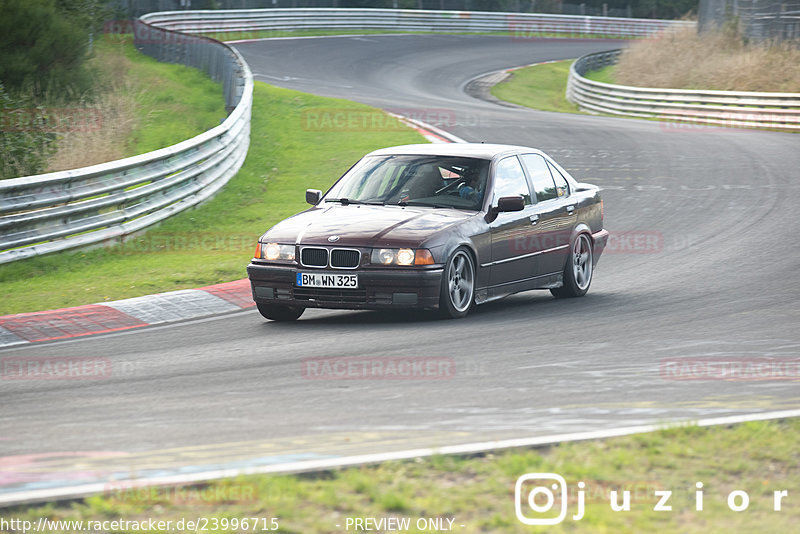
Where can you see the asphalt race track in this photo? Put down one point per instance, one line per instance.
(704, 265)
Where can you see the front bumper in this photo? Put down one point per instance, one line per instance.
(377, 288)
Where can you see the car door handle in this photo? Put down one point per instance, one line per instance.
(534, 219)
(570, 208)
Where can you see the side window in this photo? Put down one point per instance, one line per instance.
(562, 188)
(542, 180)
(509, 180)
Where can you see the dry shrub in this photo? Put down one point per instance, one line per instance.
(683, 59)
(102, 130)
(101, 137)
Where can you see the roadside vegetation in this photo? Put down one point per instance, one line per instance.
(605, 75)
(295, 144)
(72, 96)
(713, 60)
(759, 458)
(140, 105)
(681, 59)
(541, 87)
(44, 45)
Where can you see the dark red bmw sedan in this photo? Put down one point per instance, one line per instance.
(441, 226)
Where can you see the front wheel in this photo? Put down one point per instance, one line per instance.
(278, 312)
(458, 285)
(578, 270)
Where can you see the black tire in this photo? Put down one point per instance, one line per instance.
(457, 293)
(578, 269)
(278, 312)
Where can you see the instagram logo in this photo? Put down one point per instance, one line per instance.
(540, 498)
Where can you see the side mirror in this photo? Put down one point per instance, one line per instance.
(516, 203)
(313, 196)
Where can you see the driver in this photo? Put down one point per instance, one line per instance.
(471, 190)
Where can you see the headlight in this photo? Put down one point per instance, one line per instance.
(401, 256)
(405, 256)
(385, 256)
(276, 252)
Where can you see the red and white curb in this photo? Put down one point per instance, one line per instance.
(125, 314)
(428, 131)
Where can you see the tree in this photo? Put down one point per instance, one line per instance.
(44, 43)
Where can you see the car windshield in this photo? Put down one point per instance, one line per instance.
(406, 180)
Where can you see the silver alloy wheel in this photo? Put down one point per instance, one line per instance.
(582, 261)
(461, 281)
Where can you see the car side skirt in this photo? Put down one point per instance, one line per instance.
(548, 281)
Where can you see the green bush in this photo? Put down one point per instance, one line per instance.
(41, 47)
(44, 45)
(25, 146)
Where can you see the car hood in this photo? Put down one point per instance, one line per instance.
(365, 226)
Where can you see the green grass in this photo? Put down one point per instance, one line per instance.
(539, 87)
(478, 492)
(174, 102)
(214, 242)
(604, 75)
(179, 103)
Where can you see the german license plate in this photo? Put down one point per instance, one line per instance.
(327, 280)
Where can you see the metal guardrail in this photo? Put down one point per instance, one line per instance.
(106, 202)
(779, 111)
(521, 25)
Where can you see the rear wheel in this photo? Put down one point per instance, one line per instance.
(278, 312)
(578, 270)
(458, 285)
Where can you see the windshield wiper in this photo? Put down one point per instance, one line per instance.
(423, 204)
(345, 201)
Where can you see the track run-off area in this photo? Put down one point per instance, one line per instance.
(701, 275)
